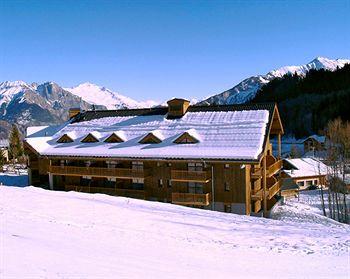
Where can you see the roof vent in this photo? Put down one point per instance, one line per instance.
(177, 108)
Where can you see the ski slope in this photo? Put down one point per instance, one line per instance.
(47, 234)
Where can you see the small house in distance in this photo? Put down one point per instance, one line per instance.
(4, 148)
(314, 143)
(305, 172)
(211, 157)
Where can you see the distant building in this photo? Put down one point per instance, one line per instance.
(4, 148)
(212, 157)
(314, 143)
(305, 172)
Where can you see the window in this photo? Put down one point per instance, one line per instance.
(227, 166)
(315, 182)
(113, 138)
(169, 183)
(186, 138)
(227, 208)
(160, 183)
(227, 186)
(89, 138)
(308, 182)
(195, 166)
(137, 165)
(300, 183)
(65, 139)
(195, 188)
(150, 138)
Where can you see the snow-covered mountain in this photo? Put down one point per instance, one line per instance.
(99, 95)
(32, 104)
(48, 103)
(247, 89)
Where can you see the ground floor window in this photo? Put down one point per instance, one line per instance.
(308, 182)
(300, 183)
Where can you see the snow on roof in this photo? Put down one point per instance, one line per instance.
(95, 134)
(158, 134)
(193, 133)
(235, 135)
(4, 143)
(317, 138)
(304, 167)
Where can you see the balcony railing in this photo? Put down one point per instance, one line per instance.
(274, 168)
(191, 199)
(99, 172)
(190, 176)
(257, 195)
(274, 189)
(130, 193)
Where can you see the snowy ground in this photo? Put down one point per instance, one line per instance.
(46, 234)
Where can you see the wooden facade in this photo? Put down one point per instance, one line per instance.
(245, 187)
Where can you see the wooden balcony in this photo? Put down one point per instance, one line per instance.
(274, 189)
(274, 168)
(191, 199)
(130, 193)
(98, 172)
(257, 195)
(257, 174)
(190, 176)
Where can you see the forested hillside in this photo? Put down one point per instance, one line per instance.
(307, 103)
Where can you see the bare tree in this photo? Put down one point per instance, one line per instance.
(338, 157)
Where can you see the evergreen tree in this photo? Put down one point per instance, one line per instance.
(16, 146)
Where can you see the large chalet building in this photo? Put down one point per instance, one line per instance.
(212, 157)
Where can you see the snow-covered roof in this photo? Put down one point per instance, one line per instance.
(304, 167)
(318, 138)
(224, 134)
(4, 143)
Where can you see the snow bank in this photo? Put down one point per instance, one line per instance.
(47, 234)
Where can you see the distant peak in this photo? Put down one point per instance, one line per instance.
(13, 83)
(87, 84)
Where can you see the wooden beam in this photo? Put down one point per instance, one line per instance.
(264, 186)
(279, 146)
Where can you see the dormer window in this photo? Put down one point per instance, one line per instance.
(65, 139)
(152, 137)
(115, 137)
(91, 137)
(188, 137)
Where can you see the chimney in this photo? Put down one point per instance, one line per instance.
(73, 112)
(177, 108)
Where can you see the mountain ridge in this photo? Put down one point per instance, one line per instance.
(247, 89)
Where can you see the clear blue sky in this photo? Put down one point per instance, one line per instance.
(162, 49)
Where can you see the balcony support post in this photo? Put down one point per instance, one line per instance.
(212, 188)
(51, 181)
(279, 146)
(264, 186)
